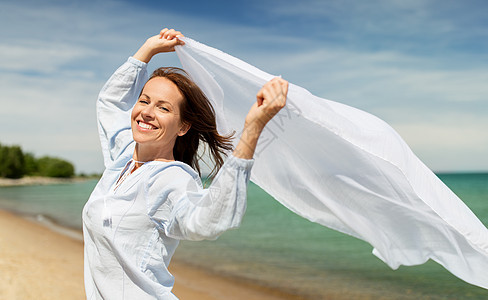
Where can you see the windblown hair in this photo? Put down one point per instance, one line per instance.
(197, 111)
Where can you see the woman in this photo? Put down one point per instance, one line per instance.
(150, 195)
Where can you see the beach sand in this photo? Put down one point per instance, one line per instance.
(35, 180)
(39, 263)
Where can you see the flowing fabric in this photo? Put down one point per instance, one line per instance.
(345, 169)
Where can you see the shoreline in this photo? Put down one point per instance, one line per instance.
(38, 180)
(46, 262)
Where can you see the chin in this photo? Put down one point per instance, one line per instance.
(139, 138)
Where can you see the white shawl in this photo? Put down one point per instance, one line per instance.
(345, 169)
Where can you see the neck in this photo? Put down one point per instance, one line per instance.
(144, 153)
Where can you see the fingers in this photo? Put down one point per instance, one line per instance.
(270, 99)
(170, 34)
(274, 93)
(279, 85)
(260, 96)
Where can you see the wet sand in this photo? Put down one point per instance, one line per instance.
(35, 180)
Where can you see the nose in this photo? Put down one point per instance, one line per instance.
(147, 112)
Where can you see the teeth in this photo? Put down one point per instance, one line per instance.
(145, 126)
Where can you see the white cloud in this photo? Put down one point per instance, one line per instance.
(40, 56)
(50, 115)
(385, 74)
(55, 57)
(463, 144)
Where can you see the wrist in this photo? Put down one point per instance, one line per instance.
(253, 129)
(145, 53)
(249, 138)
(255, 124)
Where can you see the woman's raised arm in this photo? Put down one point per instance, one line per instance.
(165, 41)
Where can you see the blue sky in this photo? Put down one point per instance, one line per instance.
(419, 65)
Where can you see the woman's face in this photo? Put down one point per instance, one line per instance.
(155, 118)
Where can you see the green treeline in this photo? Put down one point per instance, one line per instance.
(14, 163)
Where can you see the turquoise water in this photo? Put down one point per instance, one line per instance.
(61, 203)
(277, 248)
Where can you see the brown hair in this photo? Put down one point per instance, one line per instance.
(197, 111)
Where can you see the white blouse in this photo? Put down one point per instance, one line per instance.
(132, 229)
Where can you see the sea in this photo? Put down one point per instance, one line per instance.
(276, 248)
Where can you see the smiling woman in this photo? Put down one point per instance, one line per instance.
(184, 106)
(156, 123)
(150, 196)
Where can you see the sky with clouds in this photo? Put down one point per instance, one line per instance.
(419, 65)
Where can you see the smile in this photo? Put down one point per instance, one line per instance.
(146, 126)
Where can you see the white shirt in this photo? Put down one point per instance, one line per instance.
(132, 229)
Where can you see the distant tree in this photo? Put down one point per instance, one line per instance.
(12, 162)
(31, 165)
(55, 167)
(15, 164)
(3, 160)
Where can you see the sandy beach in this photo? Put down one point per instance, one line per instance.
(34, 180)
(39, 263)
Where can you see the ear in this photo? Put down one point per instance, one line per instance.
(184, 129)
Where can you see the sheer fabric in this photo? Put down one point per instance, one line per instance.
(345, 169)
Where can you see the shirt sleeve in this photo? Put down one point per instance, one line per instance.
(186, 211)
(114, 107)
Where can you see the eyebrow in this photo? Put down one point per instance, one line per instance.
(158, 101)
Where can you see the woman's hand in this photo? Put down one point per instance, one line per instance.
(269, 101)
(165, 41)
